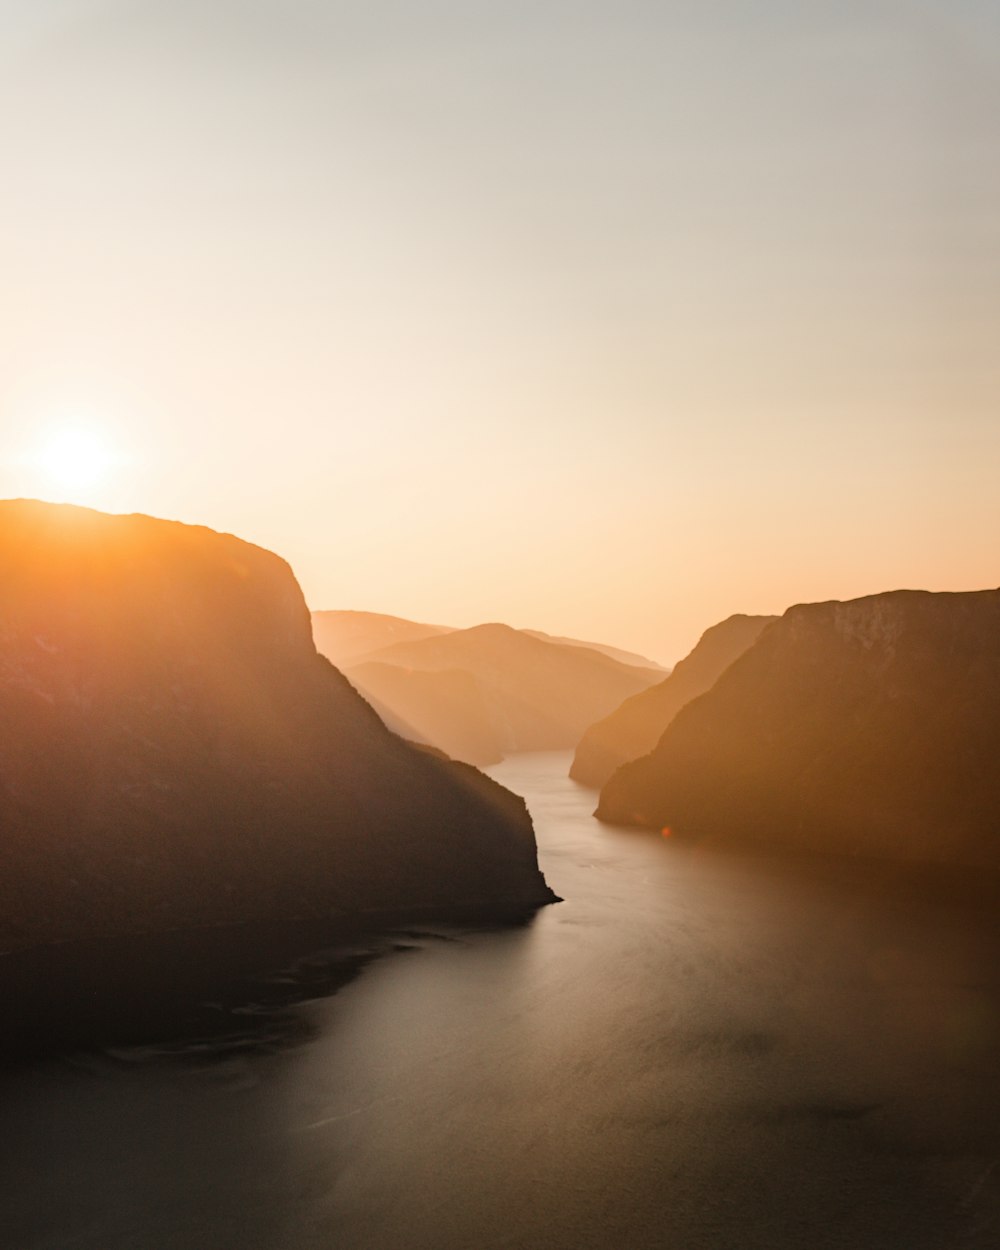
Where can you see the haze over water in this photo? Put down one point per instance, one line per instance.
(693, 1050)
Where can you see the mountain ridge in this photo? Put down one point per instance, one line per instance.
(634, 728)
(533, 695)
(867, 727)
(175, 752)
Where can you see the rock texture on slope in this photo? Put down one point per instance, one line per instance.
(175, 753)
(870, 727)
(536, 695)
(635, 728)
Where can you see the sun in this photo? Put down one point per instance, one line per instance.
(76, 461)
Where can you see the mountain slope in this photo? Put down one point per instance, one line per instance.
(538, 695)
(345, 636)
(174, 753)
(614, 653)
(446, 709)
(635, 727)
(869, 727)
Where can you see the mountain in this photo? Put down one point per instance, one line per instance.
(870, 727)
(345, 636)
(615, 653)
(349, 637)
(635, 728)
(175, 754)
(446, 709)
(537, 695)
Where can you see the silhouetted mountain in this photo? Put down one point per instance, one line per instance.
(537, 695)
(345, 636)
(445, 708)
(616, 653)
(635, 728)
(870, 727)
(174, 753)
(349, 637)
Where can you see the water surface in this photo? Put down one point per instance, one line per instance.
(695, 1049)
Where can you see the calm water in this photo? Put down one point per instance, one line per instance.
(694, 1050)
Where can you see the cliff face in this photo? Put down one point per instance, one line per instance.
(635, 727)
(174, 752)
(870, 727)
(532, 694)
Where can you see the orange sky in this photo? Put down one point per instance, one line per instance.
(607, 319)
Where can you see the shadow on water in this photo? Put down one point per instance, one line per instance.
(218, 991)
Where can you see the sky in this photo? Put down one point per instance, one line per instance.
(608, 319)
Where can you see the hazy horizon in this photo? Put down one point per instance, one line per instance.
(606, 320)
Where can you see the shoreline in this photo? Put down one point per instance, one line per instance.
(239, 982)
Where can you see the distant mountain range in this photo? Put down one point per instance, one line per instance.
(448, 709)
(482, 693)
(346, 637)
(635, 727)
(175, 754)
(615, 653)
(870, 727)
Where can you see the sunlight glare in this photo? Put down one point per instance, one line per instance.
(76, 460)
